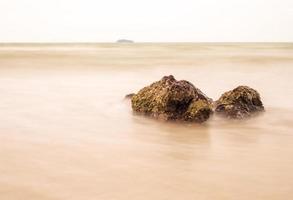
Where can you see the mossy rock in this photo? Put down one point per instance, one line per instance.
(170, 99)
(239, 103)
(198, 111)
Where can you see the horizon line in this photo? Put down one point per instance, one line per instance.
(140, 42)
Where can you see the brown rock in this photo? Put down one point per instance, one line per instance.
(170, 99)
(239, 103)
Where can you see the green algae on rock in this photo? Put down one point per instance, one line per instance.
(169, 99)
(198, 111)
(239, 103)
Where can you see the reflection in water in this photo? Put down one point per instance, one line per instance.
(67, 133)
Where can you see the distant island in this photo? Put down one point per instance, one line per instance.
(124, 41)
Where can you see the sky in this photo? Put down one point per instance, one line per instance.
(146, 20)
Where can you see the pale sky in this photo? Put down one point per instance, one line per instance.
(146, 20)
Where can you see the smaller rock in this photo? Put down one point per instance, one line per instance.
(239, 103)
(129, 96)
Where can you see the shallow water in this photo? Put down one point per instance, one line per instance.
(66, 131)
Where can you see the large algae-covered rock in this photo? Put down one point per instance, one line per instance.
(239, 103)
(170, 99)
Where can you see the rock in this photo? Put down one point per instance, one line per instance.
(169, 99)
(239, 103)
(129, 96)
(198, 111)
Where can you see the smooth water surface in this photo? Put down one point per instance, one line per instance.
(66, 131)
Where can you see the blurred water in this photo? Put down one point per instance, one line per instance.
(66, 131)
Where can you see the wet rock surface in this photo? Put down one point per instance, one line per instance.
(169, 99)
(239, 103)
